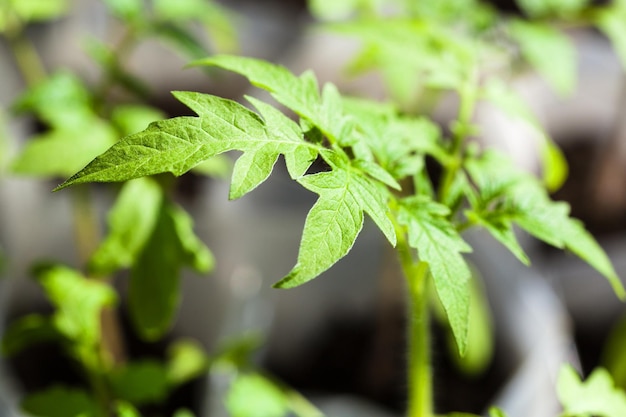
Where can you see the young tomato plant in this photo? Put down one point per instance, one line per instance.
(374, 159)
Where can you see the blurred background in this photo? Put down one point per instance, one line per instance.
(340, 338)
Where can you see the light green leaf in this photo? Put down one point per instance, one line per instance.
(141, 382)
(61, 402)
(335, 221)
(131, 222)
(125, 409)
(154, 288)
(128, 10)
(337, 10)
(27, 331)
(252, 395)
(548, 50)
(39, 10)
(132, 118)
(500, 225)
(611, 21)
(554, 8)
(523, 200)
(78, 302)
(187, 360)
(179, 144)
(596, 396)
(496, 412)
(218, 166)
(438, 243)
(554, 164)
(613, 357)
(300, 94)
(62, 152)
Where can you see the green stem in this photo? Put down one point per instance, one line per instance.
(26, 56)
(86, 227)
(468, 99)
(420, 393)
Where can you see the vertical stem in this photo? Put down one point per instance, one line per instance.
(419, 366)
(420, 393)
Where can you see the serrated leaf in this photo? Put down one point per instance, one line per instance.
(438, 243)
(596, 396)
(186, 360)
(177, 145)
(78, 302)
(61, 401)
(131, 222)
(154, 287)
(526, 203)
(335, 221)
(549, 51)
(27, 331)
(500, 226)
(252, 395)
(611, 22)
(140, 382)
(61, 152)
(300, 94)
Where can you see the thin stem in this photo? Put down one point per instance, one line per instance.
(420, 392)
(468, 98)
(86, 229)
(26, 56)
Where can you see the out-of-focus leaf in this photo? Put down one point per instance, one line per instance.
(141, 382)
(252, 395)
(596, 396)
(131, 223)
(549, 51)
(38, 10)
(186, 360)
(552, 8)
(27, 331)
(154, 290)
(61, 402)
(614, 356)
(130, 119)
(78, 302)
(127, 10)
(611, 21)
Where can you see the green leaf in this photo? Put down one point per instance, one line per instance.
(39, 10)
(141, 382)
(183, 413)
(78, 302)
(523, 200)
(62, 152)
(336, 10)
(500, 225)
(300, 94)
(335, 220)
(179, 144)
(154, 291)
(252, 395)
(61, 402)
(187, 360)
(555, 8)
(438, 243)
(62, 101)
(611, 22)
(128, 10)
(613, 357)
(132, 118)
(596, 396)
(27, 331)
(549, 51)
(554, 164)
(131, 222)
(125, 409)
(218, 166)
(496, 412)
